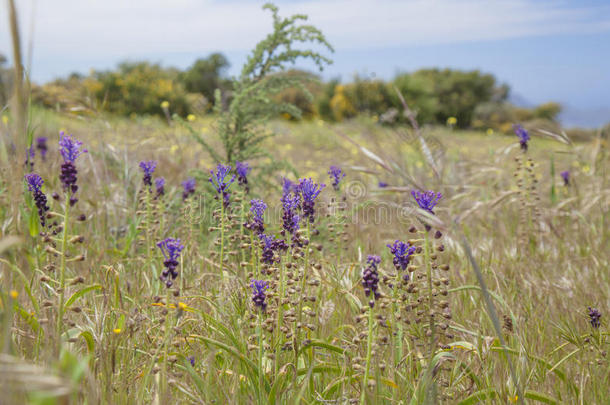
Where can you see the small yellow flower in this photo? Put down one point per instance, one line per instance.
(190, 117)
(173, 149)
(514, 399)
(14, 294)
(165, 105)
(490, 131)
(586, 169)
(5, 119)
(117, 331)
(182, 306)
(451, 121)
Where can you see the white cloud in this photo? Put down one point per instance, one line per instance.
(117, 29)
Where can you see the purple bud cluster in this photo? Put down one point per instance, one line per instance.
(309, 191)
(188, 188)
(336, 175)
(35, 182)
(171, 249)
(257, 210)
(271, 247)
(159, 186)
(426, 200)
(565, 175)
(370, 278)
(595, 317)
(70, 150)
(41, 145)
(148, 167)
(258, 293)
(220, 182)
(523, 135)
(402, 255)
(242, 169)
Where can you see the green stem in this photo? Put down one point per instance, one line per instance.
(222, 239)
(369, 347)
(430, 295)
(164, 384)
(297, 331)
(260, 356)
(280, 320)
(62, 274)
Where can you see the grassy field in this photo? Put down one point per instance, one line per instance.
(85, 318)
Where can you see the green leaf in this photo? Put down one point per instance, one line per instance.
(82, 292)
(480, 396)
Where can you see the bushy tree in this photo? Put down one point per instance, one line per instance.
(206, 75)
(241, 126)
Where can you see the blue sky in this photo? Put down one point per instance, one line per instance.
(545, 50)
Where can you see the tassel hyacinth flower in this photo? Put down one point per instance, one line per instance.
(171, 249)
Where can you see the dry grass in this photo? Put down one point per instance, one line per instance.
(542, 272)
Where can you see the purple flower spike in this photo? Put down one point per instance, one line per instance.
(382, 184)
(271, 246)
(309, 191)
(402, 255)
(70, 150)
(160, 186)
(188, 186)
(41, 145)
(221, 184)
(35, 182)
(290, 217)
(287, 186)
(523, 135)
(148, 167)
(370, 278)
(242, 169)
(426, 200)
(595, 317)
(258, 293)
(257, 209)
(566, 177)
(171, 249)
(336, 175)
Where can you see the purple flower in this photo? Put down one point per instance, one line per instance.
(29, 157)
(595, 317)
(258, 293)
(290, 216)
(309, 191)
(220, 183)
(271, 246)
(35, 182)
(382, 184)
(148, 167)
(41, 145)
(336, 175)
(523, 135)
(565, 175)
(188, 186)
(191, 360)
(402, 255)
(70, 150)
(287, 186)
(426, 200)
(370, 278)
(171, 249)
(242, 169)
(257, 209)
(160, 186)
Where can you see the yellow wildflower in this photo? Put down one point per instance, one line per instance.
(490, 131)
(14, 294)
(117, 331)
(165, 105)
(451, 121)
(190, 117)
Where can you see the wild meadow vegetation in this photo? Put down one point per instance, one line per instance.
(235, 257)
